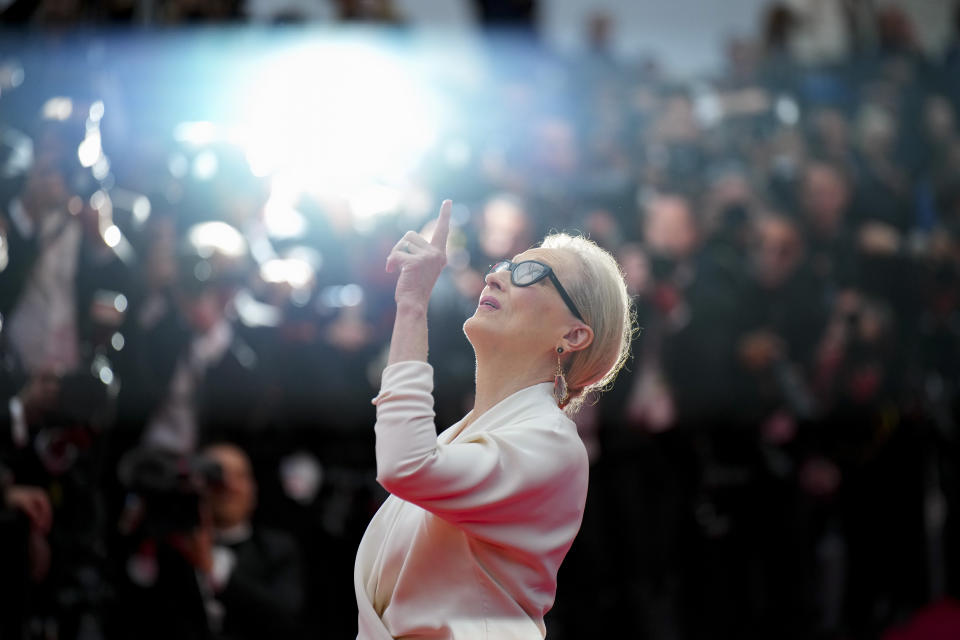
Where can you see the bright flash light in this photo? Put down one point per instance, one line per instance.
(106, 375)
(195, 133)
(337, 113)
(59, 108)
(112, 235)
(296, 273)
(89, 150)
(96, 111)
(282, 220)
(375, 200)
(210, 237)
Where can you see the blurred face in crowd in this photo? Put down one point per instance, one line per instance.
(46, 186)
(527, 320)
(669, 228)
(725, 194)
(204, 309)
(876, 130)
(233, 502)
(678, 122)
(778, 251)
(831, 127)
(825, 196)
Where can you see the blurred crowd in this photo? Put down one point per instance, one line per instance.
(186, 443)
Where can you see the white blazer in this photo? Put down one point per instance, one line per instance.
(468, 545)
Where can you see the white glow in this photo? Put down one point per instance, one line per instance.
(708, 108)
(457, 153)
(348, 295)
(141, 209)
(787, 110)
(112, 235)
(336, 114)
(254, 313)
(120, 302)
(282, 220)
(375, 200)
(195, 133)
(205, 165)
(307, 254)
(89, 150)
(99, 199)
(351, 295)
(217, 236)
(101, 168)
(296, 273)
(96, 111)
(106, 375)
(58, 108)
(117, 341)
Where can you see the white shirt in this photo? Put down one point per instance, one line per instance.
(173, 426)
(43, 325)
(469, 544)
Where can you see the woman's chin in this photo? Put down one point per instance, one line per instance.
(481, 325)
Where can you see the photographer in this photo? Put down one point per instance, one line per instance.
(187, 367)
(199, 568)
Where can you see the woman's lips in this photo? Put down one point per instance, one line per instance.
(490, 302)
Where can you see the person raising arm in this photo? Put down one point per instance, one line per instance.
(470, 540)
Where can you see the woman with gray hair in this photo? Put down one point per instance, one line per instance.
(469, 543)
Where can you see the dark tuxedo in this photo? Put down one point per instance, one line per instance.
(264, 594)
(261, 598)
(229, 390)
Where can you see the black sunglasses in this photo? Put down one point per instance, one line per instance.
(528, 272)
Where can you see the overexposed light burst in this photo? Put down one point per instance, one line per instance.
(337, 114)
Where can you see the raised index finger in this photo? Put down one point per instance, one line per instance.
(442, 229)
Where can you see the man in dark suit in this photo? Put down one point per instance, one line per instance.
(254, 573)
(187, 369)
(222, 578)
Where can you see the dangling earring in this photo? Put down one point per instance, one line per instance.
(560, 383)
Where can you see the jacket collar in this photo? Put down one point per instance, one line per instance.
(533, 402)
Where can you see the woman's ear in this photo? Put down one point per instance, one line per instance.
(578, 338)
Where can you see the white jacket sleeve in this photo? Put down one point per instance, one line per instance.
(512, 473)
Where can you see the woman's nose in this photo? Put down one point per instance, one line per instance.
(494, 279)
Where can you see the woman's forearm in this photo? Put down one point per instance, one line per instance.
(420, 263)
(409, 340)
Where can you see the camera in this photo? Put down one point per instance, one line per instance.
(167, 490)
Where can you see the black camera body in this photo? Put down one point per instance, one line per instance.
(168, 489)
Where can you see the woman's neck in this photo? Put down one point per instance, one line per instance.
(500, 375)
